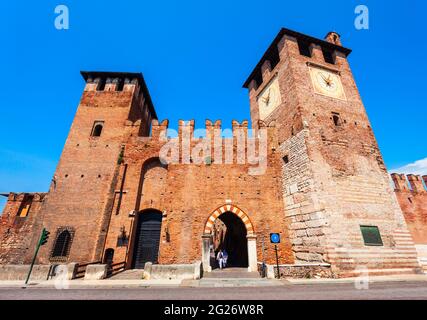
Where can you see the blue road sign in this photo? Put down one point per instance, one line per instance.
(274, 238)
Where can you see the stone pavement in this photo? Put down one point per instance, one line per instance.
(319, 291)
(93, 284)
(372, 279)
(204, 282)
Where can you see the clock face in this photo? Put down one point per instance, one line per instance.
(269, 99)
(327, 83)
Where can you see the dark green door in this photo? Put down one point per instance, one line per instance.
(147, 243)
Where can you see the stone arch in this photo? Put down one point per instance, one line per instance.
(250, 235)
(228, 208)
(152, 183)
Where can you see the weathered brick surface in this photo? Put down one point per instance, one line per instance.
(16, 230)
(333, 179)
(335, 173)
(187, 194)
(414, 205)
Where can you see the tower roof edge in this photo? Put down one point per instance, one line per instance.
(298, 35)
(131, 75)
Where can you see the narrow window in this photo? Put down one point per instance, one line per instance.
(304, 48)
(61, 249)
(328, 55)
(286, 159)
(336, 119)
(24, 211)
(108, 260)
(108, 256)
(371, 236)
(97, 128)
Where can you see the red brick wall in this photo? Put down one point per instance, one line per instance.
(82, 194)
(414, 205)
(336, 179)
(187, 194)
(16, 231)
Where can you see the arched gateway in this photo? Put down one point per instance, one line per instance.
(240, 241)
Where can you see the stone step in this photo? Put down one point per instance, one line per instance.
(240, 282)
(134, 274)
(380, 272)
(231, 273)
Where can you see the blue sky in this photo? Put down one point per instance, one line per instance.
(195, 56)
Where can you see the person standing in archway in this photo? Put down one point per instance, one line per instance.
(220, 258)
(225, 258)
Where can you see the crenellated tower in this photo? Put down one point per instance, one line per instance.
(338, 200)
(113, 107)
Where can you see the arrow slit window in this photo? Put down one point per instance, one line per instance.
(336, 119)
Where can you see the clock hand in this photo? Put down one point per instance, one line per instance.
(324, 76)
(268, 97)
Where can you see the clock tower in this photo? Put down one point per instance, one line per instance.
(336, 190)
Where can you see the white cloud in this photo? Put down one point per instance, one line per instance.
(417, 167)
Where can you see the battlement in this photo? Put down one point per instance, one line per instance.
(331, 43)
(37, 196)
(19, 204)
(189, 129)
(409, 183)
(118, 82)
(111, 81)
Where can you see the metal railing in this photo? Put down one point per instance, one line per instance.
(81, 269)
(116, 268)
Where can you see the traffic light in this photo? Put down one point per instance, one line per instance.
(44, 237)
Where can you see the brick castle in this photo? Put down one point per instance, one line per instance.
(325, 188)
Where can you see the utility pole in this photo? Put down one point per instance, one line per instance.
(277, 261)
(275, 239)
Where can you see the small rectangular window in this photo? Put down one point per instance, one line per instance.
(336, 118)
(24, 211)
(286, 159)
(304, 48)
(371, 236)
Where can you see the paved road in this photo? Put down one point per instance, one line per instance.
(393, 290)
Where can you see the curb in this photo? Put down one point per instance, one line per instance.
(92, 284)
(352, 280)
(112, 284)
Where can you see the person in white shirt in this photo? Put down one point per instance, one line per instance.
(220, 258)
(225, 258)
